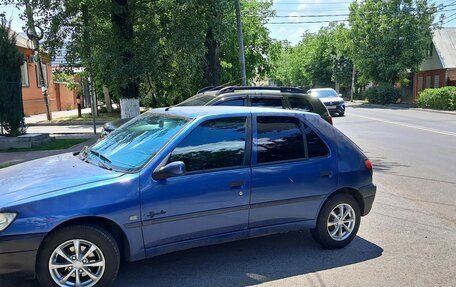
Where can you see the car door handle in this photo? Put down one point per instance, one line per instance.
(236, 184)
(326, 173)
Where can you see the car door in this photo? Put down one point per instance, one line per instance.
(212, 197)
(292, 173)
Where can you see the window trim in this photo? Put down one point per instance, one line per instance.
(247, 149)
(25, 64)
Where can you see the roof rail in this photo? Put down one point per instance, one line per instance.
(205, 89)
(259, 88)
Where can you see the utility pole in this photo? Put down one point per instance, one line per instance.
(240, 42)
(353, 83)
(32, 35)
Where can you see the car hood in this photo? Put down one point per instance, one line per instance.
(46, 175)
(332, 99)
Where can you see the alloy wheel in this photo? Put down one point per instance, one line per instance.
(77, 263)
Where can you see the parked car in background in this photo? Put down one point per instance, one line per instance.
(178, 178)
(274, 97)
(332, 100)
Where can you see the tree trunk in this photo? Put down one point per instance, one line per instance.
(212, 68)
(129, 108)
(107, 98)
(122, 23)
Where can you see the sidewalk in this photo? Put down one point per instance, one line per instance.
(55, 115)
(19, 157)
(399, 106)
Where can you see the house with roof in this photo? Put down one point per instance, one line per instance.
(60, 97)
(439, 67)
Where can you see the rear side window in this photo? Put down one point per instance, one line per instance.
(232, 103)
(217, 143)
(300, 103)
(315, 144)
(267, 103)
(279, 138)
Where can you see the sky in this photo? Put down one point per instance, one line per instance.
(294, 17)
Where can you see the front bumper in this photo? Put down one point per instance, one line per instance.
(368, 196)
(18, 255)
(340, 108)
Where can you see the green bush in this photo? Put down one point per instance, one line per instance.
(440, 99)
(382, 95)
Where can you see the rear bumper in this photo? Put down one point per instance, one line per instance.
(368, 195)
(18, 255)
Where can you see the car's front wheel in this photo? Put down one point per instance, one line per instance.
(338, 221)
(79, 255)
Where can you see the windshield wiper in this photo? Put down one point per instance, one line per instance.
(100, 156)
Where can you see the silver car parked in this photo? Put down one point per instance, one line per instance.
(331, 99)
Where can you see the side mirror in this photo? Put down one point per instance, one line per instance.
(175, 168)
(340, 95)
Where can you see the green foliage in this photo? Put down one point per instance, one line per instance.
(440, 99)
(162, 46)
(383, 94)
(67, 78)
(319, 60)
(389, 38)
(11, 111)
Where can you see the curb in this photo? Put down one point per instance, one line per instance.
(73, 123)
(403, 106)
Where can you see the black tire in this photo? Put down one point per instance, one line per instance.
(321, 232)
(342, 114)
(91, 233)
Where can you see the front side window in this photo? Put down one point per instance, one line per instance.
(267, 103)
(132, 145)
(232, 103)
(279, 138)
(218, 143)
(300, 104)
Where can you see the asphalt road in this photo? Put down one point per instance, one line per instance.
(408, 239)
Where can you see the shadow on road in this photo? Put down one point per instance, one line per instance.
(389, 107)
(241, 263)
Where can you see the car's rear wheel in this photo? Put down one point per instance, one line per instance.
(79, 255)
(338, 221)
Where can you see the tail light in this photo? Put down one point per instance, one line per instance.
(330, 120)
(368, 165)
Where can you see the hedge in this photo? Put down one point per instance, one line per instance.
(440, 99)
(382, 95)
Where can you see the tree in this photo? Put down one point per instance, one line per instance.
(11, 110)
(390, 37)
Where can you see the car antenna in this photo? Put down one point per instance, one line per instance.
(167, 109)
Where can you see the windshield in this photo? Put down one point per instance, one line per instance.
(323, 93)
(128, 148)
(197, 100)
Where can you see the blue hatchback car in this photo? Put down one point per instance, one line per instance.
(178, 178)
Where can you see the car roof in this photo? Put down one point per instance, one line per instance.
(204, 111)
(322, 89)
(245, 92)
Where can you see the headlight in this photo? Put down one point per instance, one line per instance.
(6, 219)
